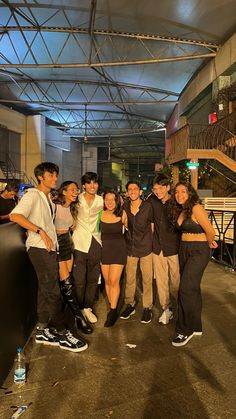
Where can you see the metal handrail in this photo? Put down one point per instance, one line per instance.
(224, 223)
(219, 136)
(13, 171)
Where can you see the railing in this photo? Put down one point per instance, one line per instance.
(12, 173)
(180, 143)
(224, 223)
(220, 136)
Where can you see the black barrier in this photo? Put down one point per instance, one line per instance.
(18, 289)
(224, 223)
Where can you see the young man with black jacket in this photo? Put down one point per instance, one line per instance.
(139, 249)
(166, 241)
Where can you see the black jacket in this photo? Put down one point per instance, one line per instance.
(139, 235)
(165, 238)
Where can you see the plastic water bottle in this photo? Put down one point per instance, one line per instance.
(20, 367)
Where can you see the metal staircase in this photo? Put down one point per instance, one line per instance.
(219, 136)
(11, 173)
(216, 142)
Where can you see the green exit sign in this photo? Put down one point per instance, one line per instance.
(190, 164)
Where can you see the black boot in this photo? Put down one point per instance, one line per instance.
(68, 294)
(111, 318)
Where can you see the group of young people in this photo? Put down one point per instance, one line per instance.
(73, 237)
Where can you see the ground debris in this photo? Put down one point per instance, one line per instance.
(131, 345)
(20, 410)
(109, 414)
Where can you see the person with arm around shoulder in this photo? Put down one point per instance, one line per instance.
(87, 244)
(166, 240)
(36, 212)
(66, 201)
(138, 239)
(196, 240)
(112, 223)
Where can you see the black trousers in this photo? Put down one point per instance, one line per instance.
(86, 272)
(193, 259)
(49, 304)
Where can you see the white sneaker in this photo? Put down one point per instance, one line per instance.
(166, 316)
(90, 316)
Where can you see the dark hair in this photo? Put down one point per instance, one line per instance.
(118, 208)
(162, 180)
(27, 187)
(175, 209)
(133, 182)
(11, 187)
(45, 167)
(89, 177)
(60, 197)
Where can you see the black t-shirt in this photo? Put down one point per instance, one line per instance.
(166, 237)
(6, 206)
(139, 235)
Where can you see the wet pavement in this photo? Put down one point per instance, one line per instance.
(150, 380)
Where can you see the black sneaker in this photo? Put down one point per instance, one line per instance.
(129, 311)
(47, 337)
(111, 318)
(181, 340)
(147, 316)
(71, 343)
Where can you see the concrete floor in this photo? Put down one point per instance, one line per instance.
(152, 380)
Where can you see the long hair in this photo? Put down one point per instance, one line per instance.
(118, 209)
(60, 197)
(174, 209)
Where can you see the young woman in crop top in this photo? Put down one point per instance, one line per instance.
(197, 238)
(66, 213)
(114, 256)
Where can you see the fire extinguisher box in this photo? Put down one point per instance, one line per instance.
(212, 118)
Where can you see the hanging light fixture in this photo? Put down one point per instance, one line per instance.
(85, 124)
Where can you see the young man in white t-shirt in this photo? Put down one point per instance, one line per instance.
(36, 212)
(87, 244)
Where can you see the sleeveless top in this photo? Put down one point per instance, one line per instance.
(64, 219)
(113, 243)
(190, 226)
(111, 231)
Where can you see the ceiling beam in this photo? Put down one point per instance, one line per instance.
(104, 32)
(43, 102)
(110, 64)
(88, 82)
(118, 135)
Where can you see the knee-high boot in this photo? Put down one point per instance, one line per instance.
(68, 293)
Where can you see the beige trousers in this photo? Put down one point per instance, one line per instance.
(166, 272)
(147, 277)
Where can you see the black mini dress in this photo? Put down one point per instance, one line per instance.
(113, 243)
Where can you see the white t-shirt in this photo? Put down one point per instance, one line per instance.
(34, 205)
(86, 226)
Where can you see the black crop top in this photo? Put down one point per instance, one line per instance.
(190, 226)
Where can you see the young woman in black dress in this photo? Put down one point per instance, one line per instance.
(112, 222)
